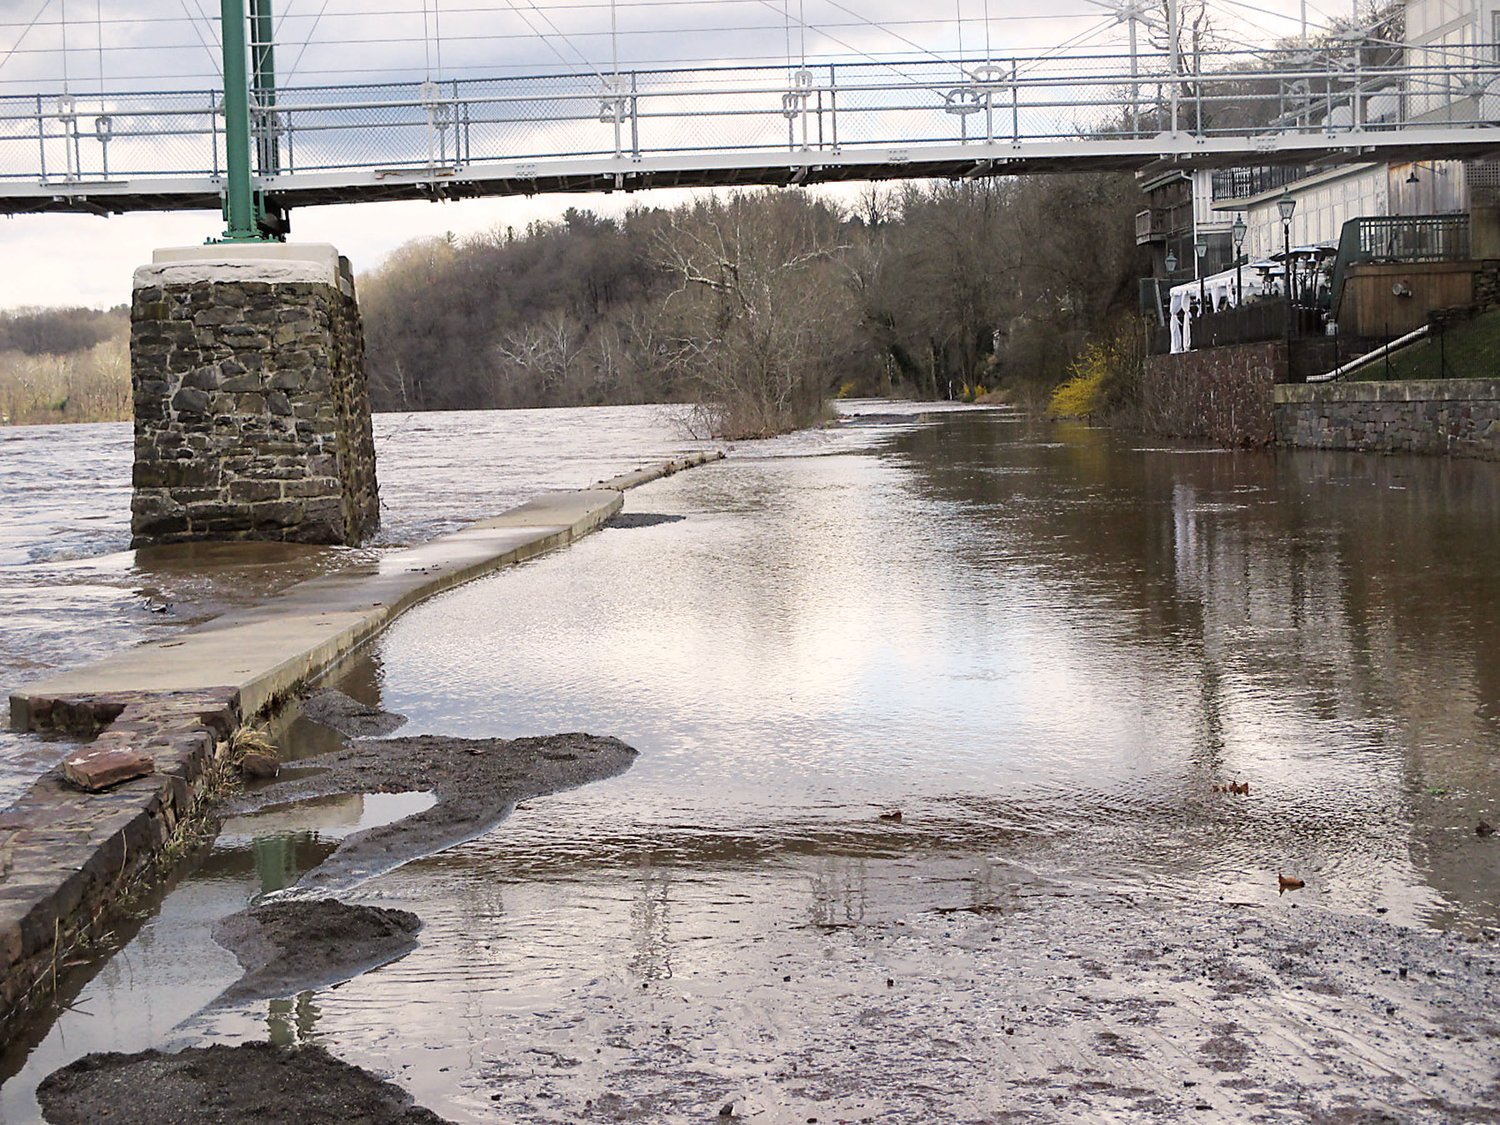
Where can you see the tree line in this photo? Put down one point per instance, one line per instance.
(64, 365)
(760, 305)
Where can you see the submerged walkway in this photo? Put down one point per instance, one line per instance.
(67, 856)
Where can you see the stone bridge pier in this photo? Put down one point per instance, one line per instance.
(252, 414)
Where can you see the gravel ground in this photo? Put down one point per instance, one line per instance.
(1061, 1007)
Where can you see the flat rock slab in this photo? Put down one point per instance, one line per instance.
(349, 716)
(290, 945)
(103, 766)
(251, 1084)
(476, 783)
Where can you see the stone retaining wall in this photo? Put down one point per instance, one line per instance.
(1459, 417)
(67, 858)
(252, 415)
(1221, 395)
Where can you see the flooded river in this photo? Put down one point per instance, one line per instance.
(1047, 647)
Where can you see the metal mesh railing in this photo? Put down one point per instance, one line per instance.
(50, 139)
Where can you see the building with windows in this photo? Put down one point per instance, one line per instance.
(1358, 214)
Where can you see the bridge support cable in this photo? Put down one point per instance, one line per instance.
(1176, 52)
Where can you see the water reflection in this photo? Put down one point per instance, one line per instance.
(1041, 640)
(290, 1023)
(650, 923)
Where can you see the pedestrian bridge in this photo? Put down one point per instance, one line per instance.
(624, 130)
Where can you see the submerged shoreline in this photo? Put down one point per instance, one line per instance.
(72, 859)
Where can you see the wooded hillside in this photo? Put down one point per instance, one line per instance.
(64, 365)
(761, 303)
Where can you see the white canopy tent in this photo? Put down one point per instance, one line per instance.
(1182, 303)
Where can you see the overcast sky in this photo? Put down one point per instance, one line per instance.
(111, 45)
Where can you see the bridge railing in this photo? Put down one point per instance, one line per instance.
(57, 139)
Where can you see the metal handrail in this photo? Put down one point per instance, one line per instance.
(842, 106)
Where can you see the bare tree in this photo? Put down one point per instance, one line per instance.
(760, 313)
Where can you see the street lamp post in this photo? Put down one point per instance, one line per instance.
(1171, 264)
(1237, 232)
(1200, 248)
(1286, 205)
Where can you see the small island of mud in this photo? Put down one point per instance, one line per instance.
(348, 716)
(289, 945)
(251, 1084)
(476, 783)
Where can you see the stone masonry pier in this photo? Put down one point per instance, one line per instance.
(252, 415)
(68, 859)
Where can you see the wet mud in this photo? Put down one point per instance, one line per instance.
(252, 1084)
(476, 783)
(288, 946)
(1060, 1006)
(349, 716)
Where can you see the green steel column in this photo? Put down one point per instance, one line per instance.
(241, 210)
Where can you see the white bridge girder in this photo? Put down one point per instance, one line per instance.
(736, 168)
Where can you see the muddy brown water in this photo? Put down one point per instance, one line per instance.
(1044, 645)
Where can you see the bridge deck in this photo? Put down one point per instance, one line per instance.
(740, 126)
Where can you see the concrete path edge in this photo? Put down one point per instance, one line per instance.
(69, 860)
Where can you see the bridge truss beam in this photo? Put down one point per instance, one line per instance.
(742, 126)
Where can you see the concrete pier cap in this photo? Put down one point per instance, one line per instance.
(252, 413)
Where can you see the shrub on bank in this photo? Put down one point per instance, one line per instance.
(1104, 380)
(1082, 395)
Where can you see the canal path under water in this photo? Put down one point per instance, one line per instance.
(1045, 645)
(72, 591)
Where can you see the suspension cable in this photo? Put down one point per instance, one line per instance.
(305, 42)
(786, 16)
(198, 33)
(542, 15)
(25, 32)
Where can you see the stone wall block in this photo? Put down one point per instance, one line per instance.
(252, 491)
(277, 514)
(190, 401)
(202, 379)
(1459, 417)
(287, 380)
